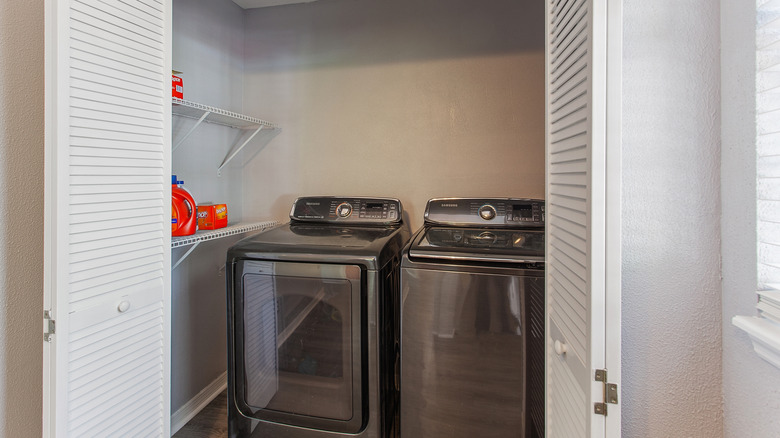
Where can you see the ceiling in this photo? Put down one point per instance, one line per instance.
(251, 4)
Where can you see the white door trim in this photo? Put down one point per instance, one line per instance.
(614, 228)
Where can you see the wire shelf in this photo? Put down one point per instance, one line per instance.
(193, 110)
(202, 236)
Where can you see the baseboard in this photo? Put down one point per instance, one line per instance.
(197, 403)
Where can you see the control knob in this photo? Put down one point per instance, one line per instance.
(487, 212)
(344, 210)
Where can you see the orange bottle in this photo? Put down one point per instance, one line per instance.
(184, 218)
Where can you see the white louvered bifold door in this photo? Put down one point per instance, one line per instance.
(107, 238)
(577, 216)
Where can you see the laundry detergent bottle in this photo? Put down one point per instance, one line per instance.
(184, 217)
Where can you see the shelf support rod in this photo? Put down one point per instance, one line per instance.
(181, 259)
(227, 160)
(201, 119)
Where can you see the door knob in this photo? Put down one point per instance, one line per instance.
(123, 307)
(560, 348)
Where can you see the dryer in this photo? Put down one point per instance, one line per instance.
(313, 322)
(472, 321)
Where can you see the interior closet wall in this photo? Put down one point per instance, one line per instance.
(374, 98)
(208, 49)
(402, 98)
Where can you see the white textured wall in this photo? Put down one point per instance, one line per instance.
(671, 217)
(751, 386)
(406, 99)
(21, 227)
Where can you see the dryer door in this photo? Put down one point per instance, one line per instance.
(297, 339)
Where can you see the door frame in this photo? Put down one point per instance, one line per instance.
(613, 203)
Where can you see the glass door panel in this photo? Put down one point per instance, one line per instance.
(298, 345)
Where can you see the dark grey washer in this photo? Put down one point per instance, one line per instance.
(472, 321)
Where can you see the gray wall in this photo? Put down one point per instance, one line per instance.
(21, 229)
(406, 99)
(208, 42)
(374, 98)
(746, 377)
(671, 218)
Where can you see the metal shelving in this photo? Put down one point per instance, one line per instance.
(202, 236)
(185, 108)
(252, 125)
(209, 114)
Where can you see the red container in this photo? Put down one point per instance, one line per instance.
(177, 87)
(184, 215)
(212, 216)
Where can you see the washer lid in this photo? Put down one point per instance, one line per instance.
(479, 244)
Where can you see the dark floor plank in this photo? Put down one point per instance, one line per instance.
(211, 422)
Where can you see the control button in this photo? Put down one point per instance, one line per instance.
(344, 210)
(487, 212)
(392, 215)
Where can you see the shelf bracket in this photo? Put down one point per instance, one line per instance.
(181, 259)
(227, 160)
(200, 120)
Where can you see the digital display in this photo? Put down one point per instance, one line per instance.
(522, 211)
(374, 205)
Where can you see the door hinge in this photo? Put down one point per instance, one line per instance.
(48, 326)
(610, 394)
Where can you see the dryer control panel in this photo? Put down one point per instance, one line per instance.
(356, 210)
(486, 212)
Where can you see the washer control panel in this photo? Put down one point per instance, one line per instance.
(493, 212)
(343, 209)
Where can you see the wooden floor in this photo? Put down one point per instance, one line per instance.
(211, 422)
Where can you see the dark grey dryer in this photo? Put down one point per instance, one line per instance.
(313, 322)
(472, 321)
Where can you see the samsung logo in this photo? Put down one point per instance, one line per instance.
(312, 203)
(449, 205)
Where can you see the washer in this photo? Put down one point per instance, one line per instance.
(313, 322)
(472, 321)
